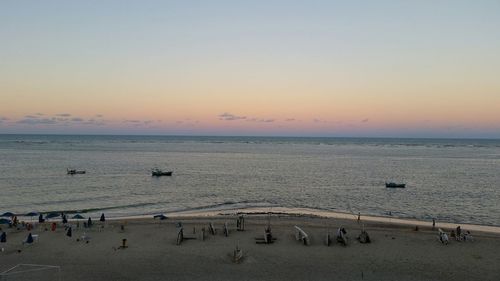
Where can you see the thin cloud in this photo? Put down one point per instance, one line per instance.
(95, 122)
(365, 120)
(147, 122)
(290, 120)
(187, 122)
(260, 120)
(34, 121)
(317, 120)
(230, 117)
(135, 121)
(63, 114)
(39, 114)
(77, 119)
(99, 115)
(30, 116)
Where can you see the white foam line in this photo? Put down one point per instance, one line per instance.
(301, 212)
(329, 214)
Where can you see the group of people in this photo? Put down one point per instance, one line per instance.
(457, 234)
(68, 228)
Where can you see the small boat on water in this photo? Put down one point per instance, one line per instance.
(395, 185)
(75, 172)
(158, 173)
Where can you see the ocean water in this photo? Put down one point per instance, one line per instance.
(452, 180)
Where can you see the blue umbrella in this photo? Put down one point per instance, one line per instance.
(4, 221)
(52, 215)
(31, 214)
(7, 214)
(78, 216)
(161, 217)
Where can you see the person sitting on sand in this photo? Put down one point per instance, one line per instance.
(468, 236)
(364, 237)
(29, 239)
(3, 237)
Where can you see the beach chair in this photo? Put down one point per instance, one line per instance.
(267, 239)
(342, 236)
(212, 229)
(301, 235)
(443, 237)
(468, 237)
(226, 230)
(240, 223)
(85, 237)
(328, 239)
(180, 236)
(237, 255)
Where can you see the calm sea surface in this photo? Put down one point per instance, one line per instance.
(453, 180)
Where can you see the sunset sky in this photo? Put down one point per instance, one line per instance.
(291, 68)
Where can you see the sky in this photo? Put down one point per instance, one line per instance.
(268, 68)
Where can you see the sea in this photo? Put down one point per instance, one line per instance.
(452, 180)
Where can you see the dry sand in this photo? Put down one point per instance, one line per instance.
(397, 252)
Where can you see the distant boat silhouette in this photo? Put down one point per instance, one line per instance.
(158, 173)
(74, 171)
(395, 185)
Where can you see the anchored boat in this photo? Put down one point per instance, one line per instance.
(158, 173)
(395, 185)
(75, 172)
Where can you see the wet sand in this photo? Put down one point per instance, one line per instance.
(397, 251)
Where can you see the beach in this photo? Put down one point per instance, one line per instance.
(397, 251)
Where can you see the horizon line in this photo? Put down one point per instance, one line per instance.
(253, 136)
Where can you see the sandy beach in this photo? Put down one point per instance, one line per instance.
(397, 251)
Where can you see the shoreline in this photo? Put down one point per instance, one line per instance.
(306, 212)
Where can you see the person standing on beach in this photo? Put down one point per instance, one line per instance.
(433, 223)
(3, 239)
(359, 216)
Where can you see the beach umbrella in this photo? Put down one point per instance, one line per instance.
(52, 215)
(31, 214)
(4, 221)
(103, 219)
(161, 217)
(7, 214)
(78, 216)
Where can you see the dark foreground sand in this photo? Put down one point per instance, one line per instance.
(396, 253)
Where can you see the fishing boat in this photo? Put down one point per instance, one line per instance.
(158, 173)
(75, 172)
(395, 185)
